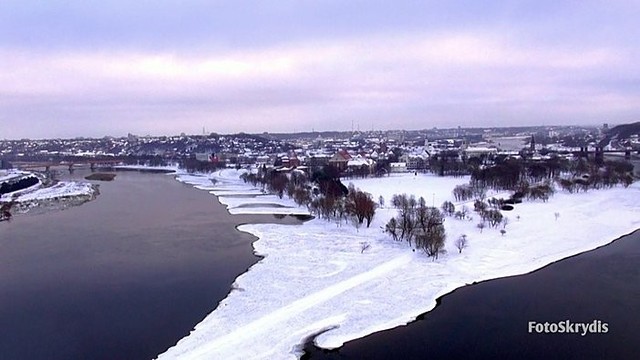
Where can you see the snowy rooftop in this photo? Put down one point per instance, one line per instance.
(359, 161)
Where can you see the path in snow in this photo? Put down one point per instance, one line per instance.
(266, 324)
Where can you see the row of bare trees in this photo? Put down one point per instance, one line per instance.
(191, 165)
(357, 207)
(541, 191)
(325, 196)
(572, 176)
(470, 191)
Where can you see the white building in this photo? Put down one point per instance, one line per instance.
(398, 167)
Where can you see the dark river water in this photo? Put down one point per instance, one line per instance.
(129, 274)
(489, 320)
(122, 277)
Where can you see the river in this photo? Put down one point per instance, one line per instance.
(122, 277)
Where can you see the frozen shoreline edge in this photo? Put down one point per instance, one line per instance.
(312, 339)
(408, 318)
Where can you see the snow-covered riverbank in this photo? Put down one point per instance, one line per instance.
(60, 195)
(315, 276)
(46, 195)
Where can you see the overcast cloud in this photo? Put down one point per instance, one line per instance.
(95, 68)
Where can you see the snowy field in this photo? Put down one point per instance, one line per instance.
(315, 278)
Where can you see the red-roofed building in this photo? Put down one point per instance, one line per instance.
(340, 159)
(293, 160)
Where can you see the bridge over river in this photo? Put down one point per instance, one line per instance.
(93, 164)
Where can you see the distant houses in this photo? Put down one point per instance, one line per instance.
(413, 161)
(362, 154)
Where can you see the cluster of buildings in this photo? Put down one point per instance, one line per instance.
(358, 153)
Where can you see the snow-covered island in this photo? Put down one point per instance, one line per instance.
(44, 194)
(318, 279)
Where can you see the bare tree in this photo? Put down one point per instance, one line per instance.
(421, 214)
(406, 215)
(290, 189)
(505, 222)
(435, 241)
(461, 243)
(360, 205)
(356, 223)
(326, 207)
(368, 208)
(278, 183)
(479, 206)
(392, 228)
(493, 216)
(302, 196)
(407, 226)
(431, 233)
(340, 211)
(464, 210)
(448, 208)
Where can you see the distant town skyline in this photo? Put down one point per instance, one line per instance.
(92, 69)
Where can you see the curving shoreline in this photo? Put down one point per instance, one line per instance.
(273, 243)
(312, 351)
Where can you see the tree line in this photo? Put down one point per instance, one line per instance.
(572, 176)
(23, 183)
(323, 194)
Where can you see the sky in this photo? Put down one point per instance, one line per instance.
(97, 68)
